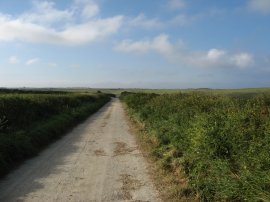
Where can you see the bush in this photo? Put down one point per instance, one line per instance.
(223, 143)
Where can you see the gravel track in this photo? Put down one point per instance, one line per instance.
(97, 161)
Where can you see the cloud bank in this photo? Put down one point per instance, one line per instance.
(39, 24)
(179, 55)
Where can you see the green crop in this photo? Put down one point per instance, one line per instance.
(221, 143)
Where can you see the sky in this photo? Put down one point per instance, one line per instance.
(135, 43)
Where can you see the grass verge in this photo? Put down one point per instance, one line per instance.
(172, 186)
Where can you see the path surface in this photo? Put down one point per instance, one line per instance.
(97, 161)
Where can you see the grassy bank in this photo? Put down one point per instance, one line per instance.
(220, 143)
(30, 121)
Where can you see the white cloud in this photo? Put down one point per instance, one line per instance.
(130, 46)
(177, 54)
(90, 31)
(180, 19)
(159, 43)
(44, 12)
(90, 8)
(38, 26)
(242, 59)
(13, 60)
(262, 6)
(32, 61)
(176, 4)
(215, 54)
(142, 21)
(162, 45)
(148, 23)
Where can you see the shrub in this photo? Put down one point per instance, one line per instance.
(221, 142)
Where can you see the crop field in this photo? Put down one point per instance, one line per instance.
(247, 92)
(220, 143)
(30, 120)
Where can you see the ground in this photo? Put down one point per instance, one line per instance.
(97, 161)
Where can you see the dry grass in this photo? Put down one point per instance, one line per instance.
(129, 184)
(121, 148)
(100, 152)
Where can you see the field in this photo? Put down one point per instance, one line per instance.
(213, 144)
(30, 120)
(247, 92)
(218, 141)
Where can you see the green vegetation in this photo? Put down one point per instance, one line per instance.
(31, 120)
(232, 92)
(117, 91)
(221, 143)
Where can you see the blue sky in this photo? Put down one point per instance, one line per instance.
(143, 44)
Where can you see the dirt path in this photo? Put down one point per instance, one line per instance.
(97, 161)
